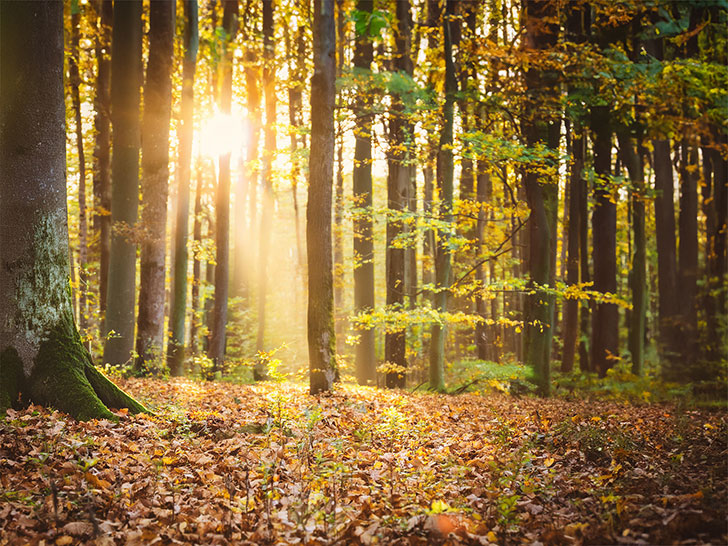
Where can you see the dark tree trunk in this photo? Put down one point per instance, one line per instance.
(126, 81)
(321, 335)
(102, 145)
(155, 187)
(41, 354)
(196, 263)
(398, 184)
(542, 201)
(362, 196)
(216, 348)
(340, 311)
(178, 307)
(445, 173)
(605, 319)
(484, 194)
(571, 307)
(688, 253)
(75, 82)
(634, 161)
(269, 87)
(666, 248)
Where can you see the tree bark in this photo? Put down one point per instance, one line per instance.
(269, 89)
(126, 80)
(321, 335)
(445, 173)
(362, 196)
(102, 145)
(75, 82)
(216, 348)
(542, 200)
(398, 183)
(634, 161)
(605, 319)
(178, 306)
(155, 188)
(41, 353)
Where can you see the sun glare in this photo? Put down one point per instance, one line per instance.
(222, 134)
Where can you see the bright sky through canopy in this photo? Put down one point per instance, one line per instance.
(222, 134)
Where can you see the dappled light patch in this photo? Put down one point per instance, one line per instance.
(268, 463)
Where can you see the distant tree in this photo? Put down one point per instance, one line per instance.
(266, 218)
(321, 335)
(362, 196)
(126, 80)
(216, 348)
(41, 353)
(155, 186)
(178, 306)
(74, 77)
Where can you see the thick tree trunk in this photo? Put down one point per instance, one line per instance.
(155, 188)
(362, 196)
(41, 354)
(126, 80)
(605, 319)
(445, 173)
(75, 82)
(178, 306)
(269, 87)
(542, 200)
(321, 335)
(216, 348)
(102, 145)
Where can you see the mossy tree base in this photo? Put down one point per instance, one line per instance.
(63, 377)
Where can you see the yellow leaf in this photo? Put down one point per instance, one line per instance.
(548, 463)
(491, 537)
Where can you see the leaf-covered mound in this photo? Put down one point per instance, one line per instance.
(222, 463)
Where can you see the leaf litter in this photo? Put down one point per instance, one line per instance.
(269, 464)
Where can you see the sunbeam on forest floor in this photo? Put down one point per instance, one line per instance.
(221, 463)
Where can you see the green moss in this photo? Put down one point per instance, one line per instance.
(64, 377)
(11, 370)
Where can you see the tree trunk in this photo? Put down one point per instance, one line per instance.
(102, 145)
(321, 335)
(155, 187)
(216, 348)
(542, 201)
(362, 196)
(688, 253)
(571, 307)
(126, 80)
(269, 87)
(196, 263)
(605, 319)
(666, 245)
(397, 189)
(634, 161)
(41, 354)
(340, 311)
(75, 82)
(178, 306)
(445, 173)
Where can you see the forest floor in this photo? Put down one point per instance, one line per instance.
(220, 463)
